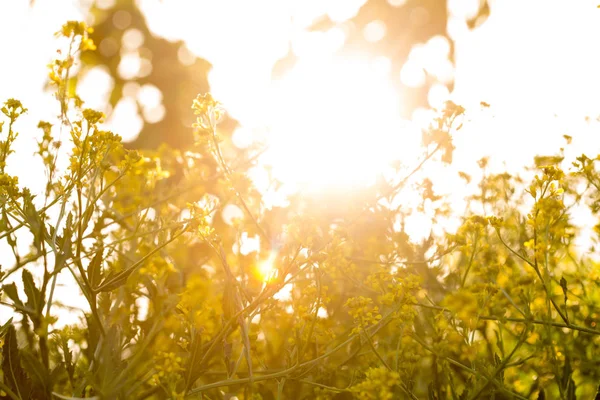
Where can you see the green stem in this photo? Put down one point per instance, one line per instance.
(9, 392)
(372, 346)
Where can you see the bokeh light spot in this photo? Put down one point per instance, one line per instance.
(374, 31)
(121, 19)
(132, 39)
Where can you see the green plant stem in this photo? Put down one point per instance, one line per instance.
(470, 264)
(290, 370)
(331, 388)
(501, 367)
(372, 346)
(537, 271)
(227, 171)
(464, 367)
(9, 392)
(520, 320)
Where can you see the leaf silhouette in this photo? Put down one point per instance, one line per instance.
(34, 296)
(34, 220)
(38, 373)
(11, 292)
(65, 243)
(5, 327)
(193, 368)
(113, 281)
(95, 269)
(14, 375)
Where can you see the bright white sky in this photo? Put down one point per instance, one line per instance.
(536, 62)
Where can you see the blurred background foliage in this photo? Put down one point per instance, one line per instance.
(388, 28)
(121, 31)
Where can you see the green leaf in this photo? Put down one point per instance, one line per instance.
(12, 293)
(498, 362)
(95, 269)
(36, 370)
(544, 161)
(14, 375)
(109, 360)
(55, 374)
(71, 86)
(92, 336)
(563, 285)
(541, 395)
(60, 396)
(34, 296)
(465, 394)
(63, 344)
(567, 380)
(113, 281)
(431, 391)
(193, 369)
(10, 239)
(5, 327)
(33, 220)
(64, 243)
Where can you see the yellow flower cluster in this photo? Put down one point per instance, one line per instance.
(394, 289)
(92, 149)
(93, 116)
(547, 218)
(464, 304)
(470, 231)
(337, 266)
(168, 367)
(200, 306)
(378, 384)
(9, 186)
(209, 112)
(200, 218)
(363, 311)
(13, 109)
(78, 29)
(313, 300)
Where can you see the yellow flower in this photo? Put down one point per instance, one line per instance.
(378, 384)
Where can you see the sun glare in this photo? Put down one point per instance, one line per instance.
(335, 123)
(266, 268)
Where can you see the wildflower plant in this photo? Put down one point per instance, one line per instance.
(352, 307)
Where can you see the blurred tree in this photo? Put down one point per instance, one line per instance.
(392, 28)
(122, 35)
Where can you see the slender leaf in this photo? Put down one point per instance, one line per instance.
(113, 281)
(64, 247)
(193, 369)
(34, 220)
(5, 327)
(14, 375)
(60, 396)
(12, 293)
(34, 296)
(38, 373)
(95, 269)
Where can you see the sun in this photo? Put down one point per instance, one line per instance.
(335, 123)
(267, 269)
